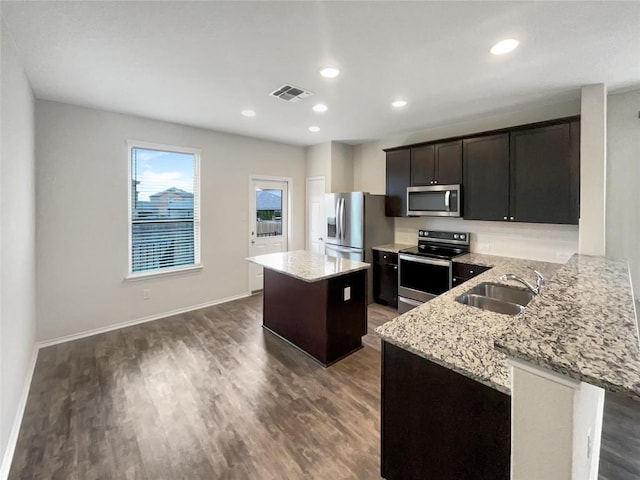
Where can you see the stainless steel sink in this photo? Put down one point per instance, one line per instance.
(496, 297)
(488, 303)
(502, 292)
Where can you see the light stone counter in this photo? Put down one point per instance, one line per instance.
(461, 337)
(307, 266)
(583, 326)
(392, 247)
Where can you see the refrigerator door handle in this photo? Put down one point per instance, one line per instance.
(342, 220)
(339, 219)
(337, 212)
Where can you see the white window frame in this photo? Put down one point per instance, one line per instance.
(132, 276)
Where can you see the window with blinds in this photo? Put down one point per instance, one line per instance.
(164, 214)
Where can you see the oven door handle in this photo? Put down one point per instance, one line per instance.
(428, 261)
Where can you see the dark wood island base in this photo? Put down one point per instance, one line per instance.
(314, 316)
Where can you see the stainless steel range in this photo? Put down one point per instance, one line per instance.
(424, 272)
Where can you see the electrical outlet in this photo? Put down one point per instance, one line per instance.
(483, 247)
(347, 293)
(146, 294)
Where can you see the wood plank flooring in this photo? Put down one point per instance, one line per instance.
(210, 395)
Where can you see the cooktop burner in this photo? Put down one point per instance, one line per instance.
(446, 245)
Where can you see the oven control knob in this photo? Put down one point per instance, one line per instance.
(462, 237)
(455, 235)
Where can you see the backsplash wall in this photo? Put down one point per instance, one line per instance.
(545, 242)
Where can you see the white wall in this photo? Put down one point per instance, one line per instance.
(549, 243)
(593, 170)
(552, 243)
(318, 163)
(623, 181)
(17, 233)
(334, 162)
(82, 232)
(341, 167)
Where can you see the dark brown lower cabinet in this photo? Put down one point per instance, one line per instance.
(385, 278)
(314, 316)
(440, 425)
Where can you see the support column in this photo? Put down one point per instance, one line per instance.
(556, 425)
(593, 169)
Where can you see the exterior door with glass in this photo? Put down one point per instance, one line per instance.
(269, 219)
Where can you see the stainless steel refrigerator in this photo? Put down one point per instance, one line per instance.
(355, 223)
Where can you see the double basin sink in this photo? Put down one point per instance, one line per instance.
(497, 297)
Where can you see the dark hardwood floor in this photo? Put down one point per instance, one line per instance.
(210, 395)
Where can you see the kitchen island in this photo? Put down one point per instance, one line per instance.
(315, 302)
(527, 372)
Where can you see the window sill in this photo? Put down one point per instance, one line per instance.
(135, 277)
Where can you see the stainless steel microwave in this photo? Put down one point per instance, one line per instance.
(434, 201)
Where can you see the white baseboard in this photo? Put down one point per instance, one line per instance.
(129, 323)
(7, 458)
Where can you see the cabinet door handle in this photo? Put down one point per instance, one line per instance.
(384, 256)
(470, 271)
(511, 218)
(505, 218)
(395, 267)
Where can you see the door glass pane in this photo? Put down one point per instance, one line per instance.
(268, 212)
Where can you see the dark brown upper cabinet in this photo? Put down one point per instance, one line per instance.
(485, 187)
(545, 174)
(398, 179)
(527, 175)
(437, 164)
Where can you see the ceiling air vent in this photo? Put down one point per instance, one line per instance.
(289, 93)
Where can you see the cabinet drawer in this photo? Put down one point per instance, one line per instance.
(385, 258)
(467, 271)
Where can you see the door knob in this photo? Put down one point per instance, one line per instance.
(253, 241)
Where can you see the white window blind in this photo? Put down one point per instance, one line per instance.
(164, 214)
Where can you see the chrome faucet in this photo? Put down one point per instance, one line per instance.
(535, 290)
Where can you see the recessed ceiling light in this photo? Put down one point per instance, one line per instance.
(329, 72)
(504, 46)
(319, 107)
(248, 113)
(399, 103)
(314, 129)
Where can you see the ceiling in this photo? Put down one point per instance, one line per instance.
(202, 63)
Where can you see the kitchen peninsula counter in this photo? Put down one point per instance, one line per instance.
(582, 325)
(315, 302)
(460, 337)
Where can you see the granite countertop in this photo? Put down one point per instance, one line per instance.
(461, 337)
(392, 247)
(306, 265)
(583, 326)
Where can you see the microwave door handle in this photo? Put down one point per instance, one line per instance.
(447, 196)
